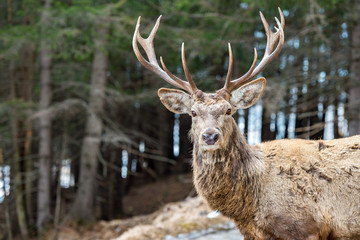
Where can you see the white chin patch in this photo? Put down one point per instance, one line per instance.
(210, 147)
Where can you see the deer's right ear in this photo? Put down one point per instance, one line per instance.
(175, 100)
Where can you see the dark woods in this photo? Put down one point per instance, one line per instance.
(81, 124)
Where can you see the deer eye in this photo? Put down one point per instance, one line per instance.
(193, 113)
(228, 112)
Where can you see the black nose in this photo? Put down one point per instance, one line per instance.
(210, 138)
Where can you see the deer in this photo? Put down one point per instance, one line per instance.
(281, 189)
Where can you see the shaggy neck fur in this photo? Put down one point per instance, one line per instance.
(229, 178)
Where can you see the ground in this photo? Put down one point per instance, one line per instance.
(171, 189)
(190, 217)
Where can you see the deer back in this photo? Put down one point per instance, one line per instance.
(312, 182)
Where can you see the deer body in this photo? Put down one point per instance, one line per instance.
(284, 189)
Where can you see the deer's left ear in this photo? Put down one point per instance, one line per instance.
(247, 95)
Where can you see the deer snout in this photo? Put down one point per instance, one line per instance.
(210, 136)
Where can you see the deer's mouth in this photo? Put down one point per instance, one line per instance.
(214, 147)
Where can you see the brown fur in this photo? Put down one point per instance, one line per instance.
(284, 189)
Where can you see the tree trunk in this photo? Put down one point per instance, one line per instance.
(354, 93)
(246, 118)
(9, 11)
(43, 197)
(266, 133)
(83, 208)
(16, 163)
(63, 156)
(6, 205)
(183, 163)
(27, 74)
(163, 127)
(26, 89)
(19, 191)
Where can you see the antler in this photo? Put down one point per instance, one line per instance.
(269, 55)
(153, 65)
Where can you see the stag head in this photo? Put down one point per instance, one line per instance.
(212, 121)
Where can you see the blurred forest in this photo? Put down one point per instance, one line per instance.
(81, 123)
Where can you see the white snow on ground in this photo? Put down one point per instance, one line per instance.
(218, 232)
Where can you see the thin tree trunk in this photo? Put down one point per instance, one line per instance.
(111, 189)
(16, 166)
(43, 197)
(8, 219)
(266, 133)
(29, 171)
(354, 93)
(19, 193)
(27, 73)
(22, 131)
(83, 208)
(184, 158)
(9, 11)
(163, 126)
(8, 232)
(246, 122)
(63, 156)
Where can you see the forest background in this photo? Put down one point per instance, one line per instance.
(80, 121)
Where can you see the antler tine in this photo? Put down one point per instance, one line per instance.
(230, 69)
(186, 70)
(152, 64)
(282, 18)
(231, 85)
(246, 77)
(147, 44)
(175, 78)
(272, 38)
